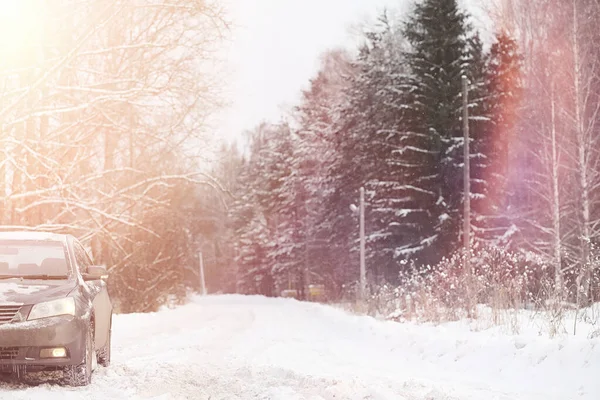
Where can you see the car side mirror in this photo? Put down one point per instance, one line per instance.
(95, 272)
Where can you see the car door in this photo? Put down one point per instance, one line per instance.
(98, 292)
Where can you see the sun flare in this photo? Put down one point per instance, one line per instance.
(20, 29)
(10, 7)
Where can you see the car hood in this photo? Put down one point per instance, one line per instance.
(16, 291)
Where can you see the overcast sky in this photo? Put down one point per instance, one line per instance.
(274, 50)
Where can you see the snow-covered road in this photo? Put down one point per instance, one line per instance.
(236, 347)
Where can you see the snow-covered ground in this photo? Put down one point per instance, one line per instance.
(236, 347)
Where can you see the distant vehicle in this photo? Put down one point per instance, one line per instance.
(314, 293)
(55, 311)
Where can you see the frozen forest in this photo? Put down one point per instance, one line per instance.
(388, 118)
(105, 110)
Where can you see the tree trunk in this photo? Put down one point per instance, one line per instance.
(582, 167)
(556, 244)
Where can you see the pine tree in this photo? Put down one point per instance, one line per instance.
(256, 213)
(287, 252)
(254, 274)
(438, 33)
(317, 117)
(229, 166)
(371, 133)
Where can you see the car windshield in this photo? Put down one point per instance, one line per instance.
(33, 259)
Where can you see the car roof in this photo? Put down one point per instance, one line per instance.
(33, 235)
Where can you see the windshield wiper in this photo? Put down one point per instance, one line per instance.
(41, 276)
(9, 276)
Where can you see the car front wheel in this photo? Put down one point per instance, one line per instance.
(81, 374)
(104, 352)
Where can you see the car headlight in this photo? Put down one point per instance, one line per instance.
(53, 308)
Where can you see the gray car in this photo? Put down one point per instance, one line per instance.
(55, 311)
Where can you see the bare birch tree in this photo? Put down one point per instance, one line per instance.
(584, 116)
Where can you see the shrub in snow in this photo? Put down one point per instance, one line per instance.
(447, 291)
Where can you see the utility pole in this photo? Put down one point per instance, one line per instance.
(306, 287)
(466, 177)
(363, 278)
(202, 283)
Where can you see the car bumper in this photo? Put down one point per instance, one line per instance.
(21, 343)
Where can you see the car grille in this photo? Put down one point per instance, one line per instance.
(7, 313)
(9, 353)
